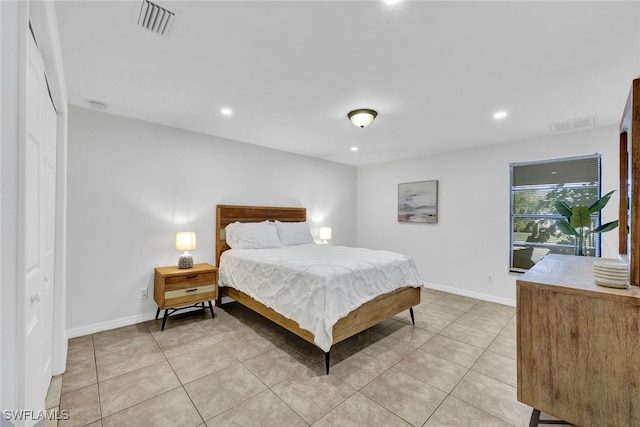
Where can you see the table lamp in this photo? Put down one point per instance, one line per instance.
(185, 241)
(325, 234)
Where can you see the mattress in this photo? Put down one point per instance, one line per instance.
(316, 285)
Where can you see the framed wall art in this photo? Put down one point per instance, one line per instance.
(418, 202)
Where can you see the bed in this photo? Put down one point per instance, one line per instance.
(373, 311)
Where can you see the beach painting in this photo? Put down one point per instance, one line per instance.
(418, 202)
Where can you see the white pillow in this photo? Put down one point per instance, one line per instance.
(230, 235)
(252, 235)
(294, 233)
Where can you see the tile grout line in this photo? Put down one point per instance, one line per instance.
(471, 368)
(235, 405)
(450, 393)
(176, 374)
(357, 390)
(484, 350)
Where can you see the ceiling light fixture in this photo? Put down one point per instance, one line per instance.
(354, 148)
(391, 1)
(362, 117)
(226, 111)
(500, 115)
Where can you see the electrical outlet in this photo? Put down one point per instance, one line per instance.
(143, 293)
(490, 278)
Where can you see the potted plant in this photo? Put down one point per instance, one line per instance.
(577, 221)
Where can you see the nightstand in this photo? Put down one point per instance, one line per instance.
(180, 288)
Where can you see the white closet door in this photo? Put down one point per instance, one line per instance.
(39, 172)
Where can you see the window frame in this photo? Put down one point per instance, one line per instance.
(513, 216)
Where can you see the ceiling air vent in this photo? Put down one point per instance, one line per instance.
(155, 18)
(573, 124)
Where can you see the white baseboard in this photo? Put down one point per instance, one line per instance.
(225, 299)
(471, 294)
(111, 324)
(139, 318)
(124, 321)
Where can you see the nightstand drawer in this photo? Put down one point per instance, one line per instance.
(184, 297)
(198, 291)
(187, 280)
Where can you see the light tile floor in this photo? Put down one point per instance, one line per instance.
(455, 367)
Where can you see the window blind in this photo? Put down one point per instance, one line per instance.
(535, 188)
(557, 172)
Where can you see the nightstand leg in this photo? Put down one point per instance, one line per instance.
(213, 315)
(157, 313)
(413, 319)
(327, 360)
(535, 418)
(164, 319)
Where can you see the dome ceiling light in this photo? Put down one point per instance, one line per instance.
(362, 117)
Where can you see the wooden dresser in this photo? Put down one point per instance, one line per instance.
(578, 344)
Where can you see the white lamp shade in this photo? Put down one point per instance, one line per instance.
(185, 241)
(325, 233)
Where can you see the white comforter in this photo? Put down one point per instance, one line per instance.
(316, 285)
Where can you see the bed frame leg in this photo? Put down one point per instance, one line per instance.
(164, 319)
(327, 360)
(413, 319)
(213, 315)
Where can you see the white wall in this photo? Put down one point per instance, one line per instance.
(132, 185)
(471, 239)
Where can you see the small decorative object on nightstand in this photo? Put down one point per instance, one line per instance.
(185, 241)
(176, 289)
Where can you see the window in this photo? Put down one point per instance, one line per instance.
(535, 187)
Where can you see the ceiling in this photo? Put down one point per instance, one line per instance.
(290, 71)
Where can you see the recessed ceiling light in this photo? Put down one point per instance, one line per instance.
(226, 111)
(500, 115)
(391, 1)
(354, 148)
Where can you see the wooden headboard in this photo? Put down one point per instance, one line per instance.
(227, 214)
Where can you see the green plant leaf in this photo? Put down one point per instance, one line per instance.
(564, 226)
(564, 209)
(601, 203)
(606, 227)
(580, 217)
